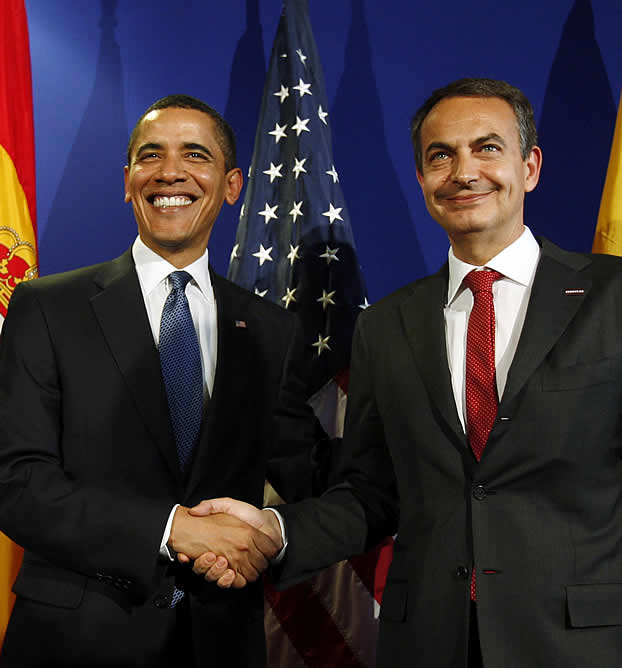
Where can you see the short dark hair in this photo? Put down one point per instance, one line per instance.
(224, 132)
(471, 87)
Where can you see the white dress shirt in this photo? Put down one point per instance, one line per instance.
(517, 263)
(153, 272)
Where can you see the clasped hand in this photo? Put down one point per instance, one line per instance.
(230, 542)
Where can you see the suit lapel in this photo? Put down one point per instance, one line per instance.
(120, 310)
(230, 382)
(558, 291)
(423, 318)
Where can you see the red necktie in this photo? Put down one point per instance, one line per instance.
(481, 383)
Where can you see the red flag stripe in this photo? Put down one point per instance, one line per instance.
(372, 567)
(16, 119)
(310, 627)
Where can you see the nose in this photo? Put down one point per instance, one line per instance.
(171, 169)
(464, 170)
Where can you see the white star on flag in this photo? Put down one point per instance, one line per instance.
(295, 212)
(333, 213)
(278, 132)
(274, 172)
(321, 344)
(288, 297)
(234, 253)
(283, 93)
(293, 254)
(268, 213)
(263, 293)
(303, 88)
(322, 114)
(365, 304)
(326, 298)
(263, 255)
(330, 254)
(300, 125)
(302, 56)
(299, 167)
(331, 172)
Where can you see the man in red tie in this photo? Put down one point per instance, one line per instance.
(484, 423)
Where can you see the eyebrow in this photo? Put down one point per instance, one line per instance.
(151, 146)
(189, 146)
(493, 136)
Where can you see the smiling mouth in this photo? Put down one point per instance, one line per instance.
(472, 198)
(164, 202)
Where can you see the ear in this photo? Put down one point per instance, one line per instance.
(533, 165)
(419, 177)
(126, 176)
(233, 185)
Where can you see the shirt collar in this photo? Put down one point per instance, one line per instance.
(152, 269)
(517, 262)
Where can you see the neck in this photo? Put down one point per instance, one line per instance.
(477, 250)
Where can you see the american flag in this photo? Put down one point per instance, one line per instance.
(294, 246)
(294, 242)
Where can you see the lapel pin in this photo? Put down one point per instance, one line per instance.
(575, 291)
(240, 323)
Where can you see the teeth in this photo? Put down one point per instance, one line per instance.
(162, 202)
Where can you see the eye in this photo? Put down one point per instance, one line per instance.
(490, 148)
(148, 156)
(196, 155)
(438, 155)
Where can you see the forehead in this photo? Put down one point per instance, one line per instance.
(173, 126)
(457, 119)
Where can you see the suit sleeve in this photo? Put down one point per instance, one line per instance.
(362, 507)
(44, 506)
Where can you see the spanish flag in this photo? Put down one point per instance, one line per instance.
(608, 237)
(18, 249)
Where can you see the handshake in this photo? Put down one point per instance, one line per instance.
(229, 542)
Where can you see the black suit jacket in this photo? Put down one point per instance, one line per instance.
(89, 473)
(540, 515)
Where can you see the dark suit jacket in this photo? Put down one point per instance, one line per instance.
(540, 515)
(89, 473)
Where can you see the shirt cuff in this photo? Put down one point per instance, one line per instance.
(167, 552)
(279, 557)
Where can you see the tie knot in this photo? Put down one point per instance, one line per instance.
(179, 280)
(478, 281)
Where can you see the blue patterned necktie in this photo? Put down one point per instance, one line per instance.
(180, 360)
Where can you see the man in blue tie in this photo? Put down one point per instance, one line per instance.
(129, 391)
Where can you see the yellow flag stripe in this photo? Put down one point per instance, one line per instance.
(16, 236)
(608, 237)
(18, 255)
(10, 558)
(13, 204)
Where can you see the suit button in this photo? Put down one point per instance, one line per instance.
(462, 572)
(161, 601)
(479, 493)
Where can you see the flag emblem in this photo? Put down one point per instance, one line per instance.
(18, 262)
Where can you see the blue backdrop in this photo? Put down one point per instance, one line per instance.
(97, 64)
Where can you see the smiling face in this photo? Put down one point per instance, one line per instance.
(177, 182)
(473, 176)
